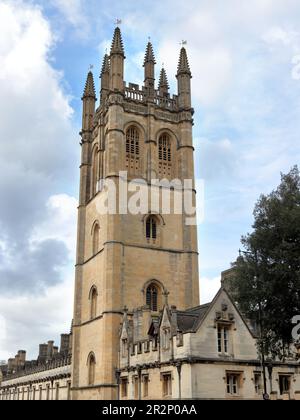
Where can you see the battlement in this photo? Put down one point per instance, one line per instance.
(135, 94)
(34, 368)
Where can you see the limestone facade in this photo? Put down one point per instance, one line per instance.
(207, 352)
(143, 133)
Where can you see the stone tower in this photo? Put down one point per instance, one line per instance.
(124, 259)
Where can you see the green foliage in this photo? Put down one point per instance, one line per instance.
(266, 283)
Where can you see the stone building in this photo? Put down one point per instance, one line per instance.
(206, 352)
(146, 134)
(47, 378)
(129, 339)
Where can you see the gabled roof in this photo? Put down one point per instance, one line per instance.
(211, 305)
(192, 319)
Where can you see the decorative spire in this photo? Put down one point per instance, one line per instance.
(105, 65)
(89, 90)
(163, 81)
(149, 55)
(183, 65)
(117, 43)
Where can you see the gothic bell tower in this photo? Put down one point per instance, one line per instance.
(125, 259)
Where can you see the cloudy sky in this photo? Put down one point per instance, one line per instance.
(245, 59)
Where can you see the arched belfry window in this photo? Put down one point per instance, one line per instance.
(133, 149)
(96, 238)
(91, 369)
(165, 155)
(152, 297)
(93, 302)
(151, 228)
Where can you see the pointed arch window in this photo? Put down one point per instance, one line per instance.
(132, 149)
(165, 155)
(152, 297)
(95, 174)
(96, 237)
(91, 369)
(93, 303)
(151, 228)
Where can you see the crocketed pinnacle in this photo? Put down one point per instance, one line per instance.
(149, 55)
(183, 65)
(105, 65)
(117, 43)
(163, 80)
(89, 90)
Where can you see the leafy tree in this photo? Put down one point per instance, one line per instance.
(266, 281)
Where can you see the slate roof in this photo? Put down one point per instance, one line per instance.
(189, 319)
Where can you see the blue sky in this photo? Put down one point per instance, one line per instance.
(245, 60)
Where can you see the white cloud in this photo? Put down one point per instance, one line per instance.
(209, 287)
(279, 35)
(296, 67)
(73, 11)
(37, 153)
(60, 222)
(30, 321)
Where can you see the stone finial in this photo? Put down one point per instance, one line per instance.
(105, 65)
(117, 43)
(89, 90)
(163, 80)
(183, 64)
(149, 55)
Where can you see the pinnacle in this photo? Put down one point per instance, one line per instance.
(117, 43)
(149, 55)
(163, 80)
(89, 90)
(105, 65)
(183, 65)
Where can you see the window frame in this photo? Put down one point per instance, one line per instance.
(96, 239)
(152, 297)
(145, 381)
(223, 339)
(233, 380)
(93, 302)
(258, 385)
(166, 378)
(288, 377)
(124, 386)
(91, 369)
(152, 228)
(133, 148)
(165, 155)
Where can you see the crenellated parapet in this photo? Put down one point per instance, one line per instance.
(38, 369)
